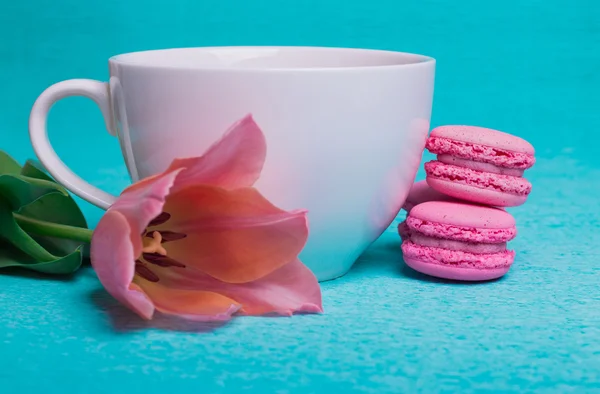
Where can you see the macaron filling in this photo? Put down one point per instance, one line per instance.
(471, 247)
(456, 258)
(479, 166)
(481, 153)
(484, 180)
(459, 233)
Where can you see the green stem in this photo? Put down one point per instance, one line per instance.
(41, 227)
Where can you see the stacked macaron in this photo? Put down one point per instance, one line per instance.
(456, 226)
(479, 165)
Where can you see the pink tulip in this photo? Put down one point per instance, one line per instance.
(199, 242)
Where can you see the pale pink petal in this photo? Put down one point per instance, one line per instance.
(293, 288)
(117, 240)
(236, 160)
(113, 260)
(142, 202)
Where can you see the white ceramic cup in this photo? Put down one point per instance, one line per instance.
(345, 129)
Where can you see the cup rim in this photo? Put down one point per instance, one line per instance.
(417, 60)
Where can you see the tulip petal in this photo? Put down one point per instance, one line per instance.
(236, 160)
(117, 240)
(143, 202)
(236, 236)
(291, 288)
(197, 305)
(112, 255)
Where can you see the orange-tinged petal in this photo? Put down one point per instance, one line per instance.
(236, 236)
(203, 202)
(236, 160)
(198, 305)
(289, 289)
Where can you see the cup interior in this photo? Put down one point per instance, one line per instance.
(269, 58)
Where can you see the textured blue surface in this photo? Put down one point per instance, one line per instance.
(524, 66)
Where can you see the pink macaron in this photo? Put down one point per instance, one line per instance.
(419, 193)
(480, 165)
(460, 241)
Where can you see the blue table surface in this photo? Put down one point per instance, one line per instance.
(524, 66)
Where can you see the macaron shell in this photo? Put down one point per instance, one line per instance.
(454, 273)
(484, 136)
(403, 230)
(476, 194)
(421, 192)
(463, 214)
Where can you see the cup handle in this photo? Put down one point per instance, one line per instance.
(95, 90)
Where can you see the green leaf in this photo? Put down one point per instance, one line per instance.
(54, 208)
(13, 233)
(57, 208)
(38, 220)
(12, 257)
(21, 190)
(8, 165)
(34, 169)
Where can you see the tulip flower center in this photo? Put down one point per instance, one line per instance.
(153, 245)
(153, 251)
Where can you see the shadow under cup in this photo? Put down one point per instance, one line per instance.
(345, 129)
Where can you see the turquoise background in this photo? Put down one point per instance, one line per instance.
(528, 67)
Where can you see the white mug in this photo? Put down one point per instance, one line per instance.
(345, 129)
